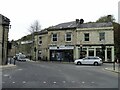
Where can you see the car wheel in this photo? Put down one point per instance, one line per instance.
(78, 63)
(95, 63)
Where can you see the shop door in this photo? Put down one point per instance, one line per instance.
(91, 52)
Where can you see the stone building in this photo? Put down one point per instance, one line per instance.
(72, 40)
(4, 29)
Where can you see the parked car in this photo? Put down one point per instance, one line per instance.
(89, 60)
(20, 57)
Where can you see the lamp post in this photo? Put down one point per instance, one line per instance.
(81, 49)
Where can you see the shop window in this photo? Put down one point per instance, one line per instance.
(86, 36)
(102, 36)
(91, 52)
(109, 57)
(54, 37)
(68, 36)
(83, 53)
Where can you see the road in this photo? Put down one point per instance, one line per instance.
(58, 75)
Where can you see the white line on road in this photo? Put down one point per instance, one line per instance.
(24, 82)
(54, 82)
(83, 82)
(5, 75)
(64, 81)
(13, 82)
(92, 82)
(44, 82)
(20, 69)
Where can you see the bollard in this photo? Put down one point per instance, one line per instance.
(14, 61)
(10, 60)
(113, 65)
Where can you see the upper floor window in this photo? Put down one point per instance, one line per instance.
(86, 36)
(68, 36)
(40, 37)
(54, 37)
(102, 36)
(40, 40)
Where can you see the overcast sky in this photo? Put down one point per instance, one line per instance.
(22, 13)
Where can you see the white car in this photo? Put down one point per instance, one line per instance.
(20, 57)
(89, 60)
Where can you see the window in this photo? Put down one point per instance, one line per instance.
(40, 40)
(54, 37)
(86, 36)
(68, 36)
(102, 36)
(40, 37)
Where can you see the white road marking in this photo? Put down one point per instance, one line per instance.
(20, 69)
(92, 82)
(13, 82)
(44, 82)
(5, 75)
(64, 82)
(83, 82)
(54, 82)
(24, 82)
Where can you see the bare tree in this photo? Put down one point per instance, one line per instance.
(34, 29)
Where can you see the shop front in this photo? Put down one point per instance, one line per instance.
(64, 53)
(107, 54)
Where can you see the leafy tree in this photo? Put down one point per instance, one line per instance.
(108, 18)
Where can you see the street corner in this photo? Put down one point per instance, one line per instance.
(112, 70)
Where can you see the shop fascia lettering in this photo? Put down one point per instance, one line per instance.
(61, 47)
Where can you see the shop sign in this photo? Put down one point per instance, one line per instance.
(61, 48)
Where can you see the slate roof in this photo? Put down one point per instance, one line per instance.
(64, 25)
(95, 25)
(73, 24)
(42, 32)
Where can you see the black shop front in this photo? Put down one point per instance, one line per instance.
(61, 54)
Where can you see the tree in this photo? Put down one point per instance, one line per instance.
(108, 18)
(34, 29)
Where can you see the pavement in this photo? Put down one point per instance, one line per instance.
(7, 66)
(115, 69)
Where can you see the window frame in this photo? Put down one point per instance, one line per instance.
(67, 38)
(54, 37)
(40, 40)
(101, 36)
(86, 38)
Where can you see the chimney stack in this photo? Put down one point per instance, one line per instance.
(81, 21)
(77, 21)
